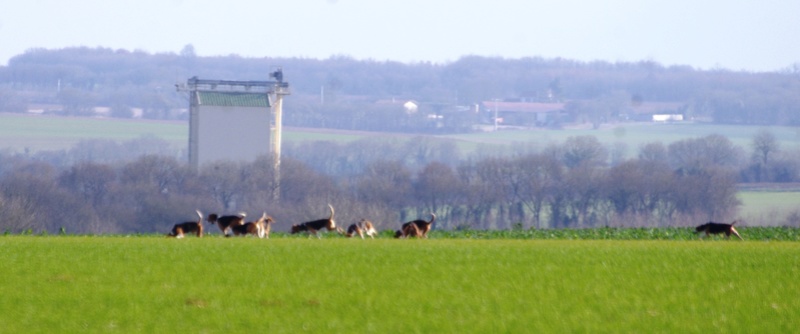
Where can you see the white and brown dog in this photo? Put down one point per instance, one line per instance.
(313, 227)
(226, 222)
(178, 230)
(259, 228)
(361, 228)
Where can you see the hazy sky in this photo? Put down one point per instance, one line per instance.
(761, 35)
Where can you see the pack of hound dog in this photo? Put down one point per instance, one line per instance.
(235, 225)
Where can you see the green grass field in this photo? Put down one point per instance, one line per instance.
(18, 132)
(212, 285)
(634, 135)
(769, 208)
(37, 133)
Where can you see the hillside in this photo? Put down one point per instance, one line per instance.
(344, 93)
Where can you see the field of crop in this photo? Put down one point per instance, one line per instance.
(770, 207)
(633, 135)
(292, 284)
(36, 133)
(53, 132)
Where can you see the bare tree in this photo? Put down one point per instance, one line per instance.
(90, 181)
(655, 152)
(437, 188)
(703, 153)
(583, 150)
(764, 145)
(222, 181)
(540, 174)
(386, 183)
(18, 213)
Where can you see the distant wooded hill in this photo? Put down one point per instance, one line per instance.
(341, 92)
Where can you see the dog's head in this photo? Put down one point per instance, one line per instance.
(212, 218)
(366, 224)
(297, 228)
(701, 228)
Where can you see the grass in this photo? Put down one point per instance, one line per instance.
(637, 134)
(154, 284)
(18, 132)
(35, 133)
(668, 234)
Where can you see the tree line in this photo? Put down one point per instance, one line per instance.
(341, 92)
(573, 184)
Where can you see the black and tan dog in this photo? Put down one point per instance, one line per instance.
(423, 226)
(313, 227)
(362, 227)
(179, 229)
(226, 222)
(259, 228)
(409, 230)
(717, 228)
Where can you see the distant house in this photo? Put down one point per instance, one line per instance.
(667, 117)
(523, 113)
(45, 108)
(409, 106)
(656, 111)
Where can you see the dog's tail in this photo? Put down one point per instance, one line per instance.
(734, 222)
(331, 206)
(433, 218)
(735, 232)
(199, 214)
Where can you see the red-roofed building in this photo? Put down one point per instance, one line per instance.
(523, 113)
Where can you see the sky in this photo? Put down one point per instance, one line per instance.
(756, 36)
